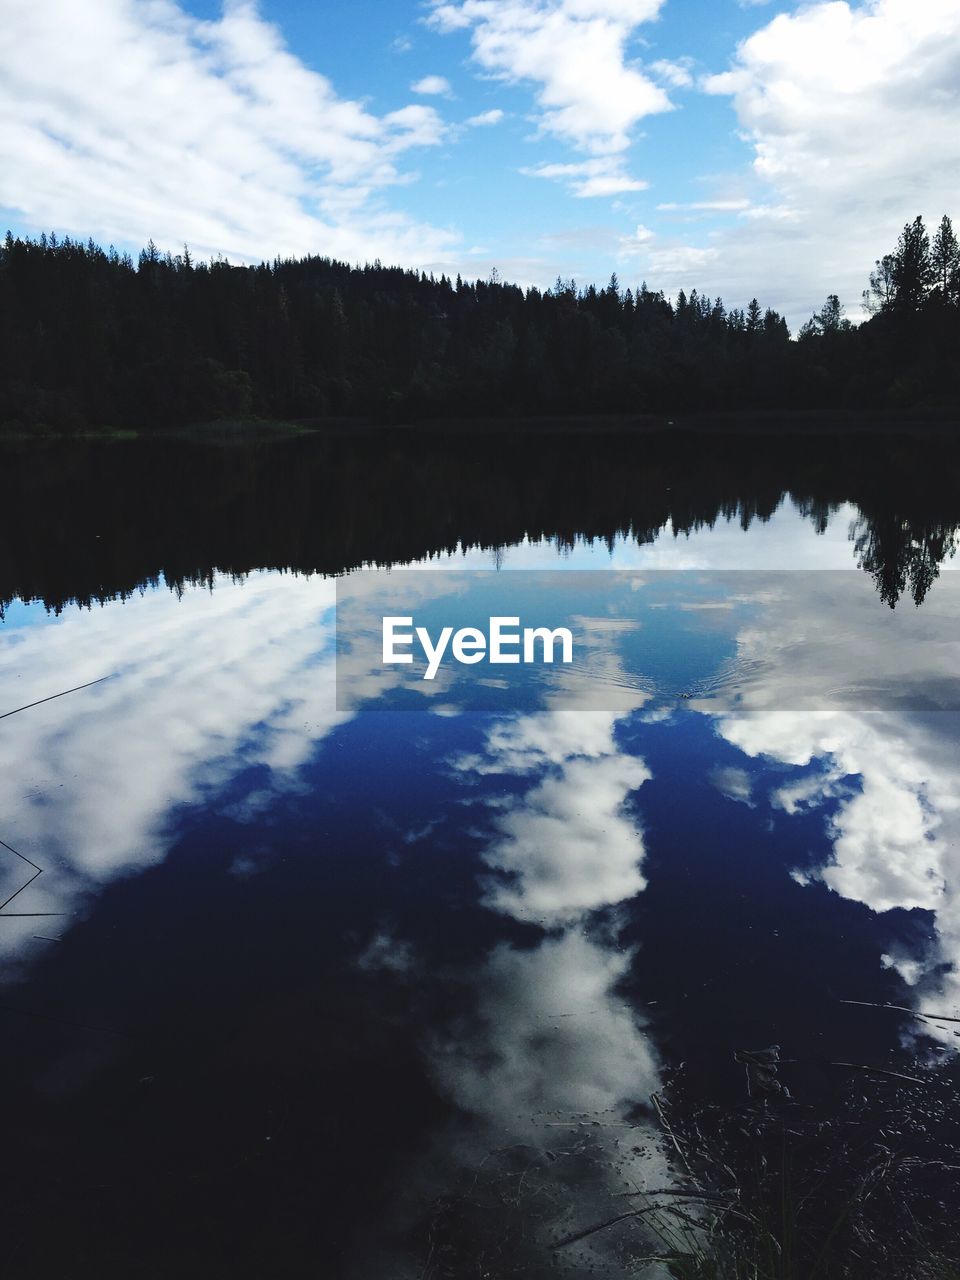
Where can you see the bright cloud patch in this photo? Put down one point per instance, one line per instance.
(493, 116)
(570, 844)
(431, 85)
(148, 122)
(603, 177)
(574, 51)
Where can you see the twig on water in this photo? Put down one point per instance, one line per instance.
(588, 1124)
(878, 1071)
(22, 856)
(914, 1013)
(37, 871)
(708, 1196)
(52, 696)
(575, 1236)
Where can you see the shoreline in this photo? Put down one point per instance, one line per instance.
(759, 423)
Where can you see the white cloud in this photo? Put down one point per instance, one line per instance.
(147, 121)
(431, 85)
(574, 51)
(493, 116)
(707, 206)
(677, 74)
(673, 266)
(637, 242)
(600, 177)
(853, 116)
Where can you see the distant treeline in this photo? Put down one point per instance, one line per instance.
(91, 339)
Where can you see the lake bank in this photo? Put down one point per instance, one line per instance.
(758, 423)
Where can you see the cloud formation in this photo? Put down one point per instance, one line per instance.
(150, 122)
(603, 176)
(588, 94)
(570, 846)
(436, 85)
(493, 116)
(851, 112)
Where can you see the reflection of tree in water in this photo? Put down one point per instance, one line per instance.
(93, 521)
(901, 554)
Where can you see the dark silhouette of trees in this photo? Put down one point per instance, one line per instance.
(91, 339)
(910, 349)
(328, 502)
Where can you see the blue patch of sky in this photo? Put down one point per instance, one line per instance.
(475, 182)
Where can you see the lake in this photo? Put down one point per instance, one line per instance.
(634, 966)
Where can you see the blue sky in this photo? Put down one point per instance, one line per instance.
(746, 148)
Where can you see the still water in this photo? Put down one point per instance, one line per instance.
(326, 975)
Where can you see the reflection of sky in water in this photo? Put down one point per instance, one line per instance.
(768, 544)
(714, 858)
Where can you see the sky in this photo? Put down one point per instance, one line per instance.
(742, 147)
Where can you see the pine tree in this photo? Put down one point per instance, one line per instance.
(830, 316)
(913, 269)
(945, 260)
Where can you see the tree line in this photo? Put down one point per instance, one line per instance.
(90, 338)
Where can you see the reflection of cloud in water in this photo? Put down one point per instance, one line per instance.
(548, 1037)
(206, 687)
(533, 742)
(888, 847)
(569, 847)
(550, 1046)
(550, 1060)
(887, 771)
(735, 784)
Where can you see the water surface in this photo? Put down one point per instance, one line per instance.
(330, 976)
